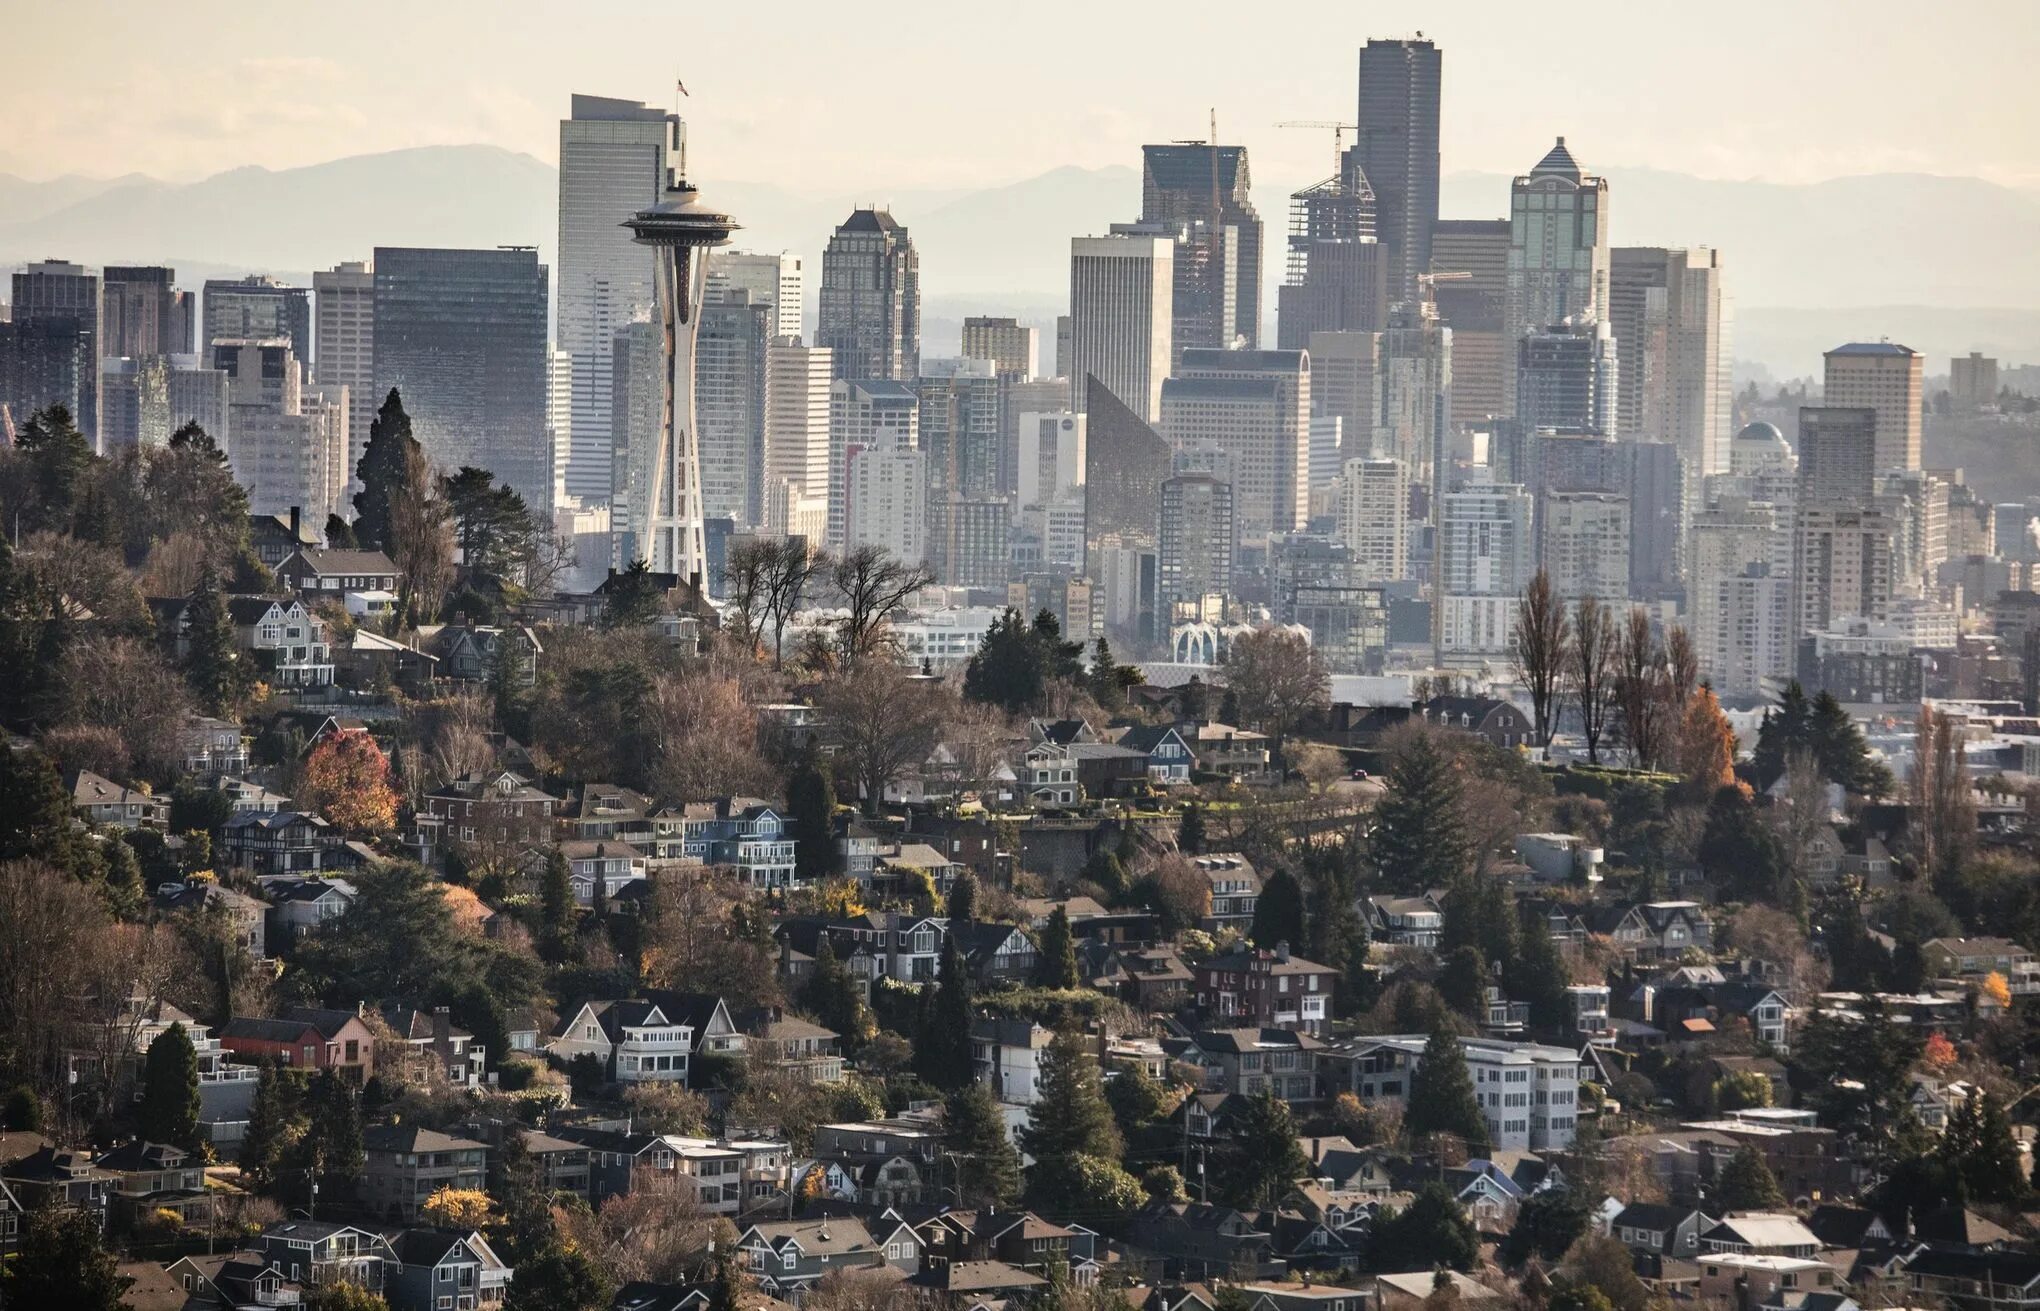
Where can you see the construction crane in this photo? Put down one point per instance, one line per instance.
(1339, 131)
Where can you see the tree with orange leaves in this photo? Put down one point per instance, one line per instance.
(347, 779)
(1938, 1051)
(1706, 744)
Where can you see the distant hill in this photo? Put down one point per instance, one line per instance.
(1805, 262)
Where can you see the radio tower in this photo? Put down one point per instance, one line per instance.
(667, 517)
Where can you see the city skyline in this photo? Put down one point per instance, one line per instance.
(1750, 96)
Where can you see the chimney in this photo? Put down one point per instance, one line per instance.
(1282, 952)
(442, 1033)
(294, 539)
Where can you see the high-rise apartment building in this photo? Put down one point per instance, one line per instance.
(1198, 539)
(774, 281)
(258, 308)
(52, 354)
(1670, 320)
(1470, 260)
(887, 500)
(1838, 455)
(145, 399)
(1202, 191)
(1345, 384)
(1122, 306)
(1374, 497)
(797, 381)
(1416, 392)
(1339, 272)
(460, 334)
(344, 301)
(1398, 151)
(1583, 542)
(1568, 377)
(1484, 562)
(1844, 565)
(1880, 376)
(612, 164)
(960, 431)
(140, 313)
(289, 442)
(969, 540)
(1734, 557)
(1018, 398)
(868, 414)
(1255, 407)
(730, 369)
(1558, 248)
(1659, 496)
(1012, 347)
(1972, 381)
(871, 298)
(637, 399)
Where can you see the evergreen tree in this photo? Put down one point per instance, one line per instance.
(560, 1278)
(60, 460)
(274, 1123)
(1538, 975)
(634, 597)
(169, 1108)
(1071, 1117)
(811, 807)
(1109, 680)
(1419, 835)
(1464, 982)
(1262, 1161)
(829, 993)
(1190, 830)
(942, 1054)
(1747, 1184)
(1434, 1233)
(62, 1263)
(724, 1278)
(385, 461)
(1786, 726)
(1441, 1096)
(1989, 1169)
(1007, 669)
(556, 909)
(963, 897)
(987, 1167)
(1137, 1100)
(213, 662)
(1278, 912)
(1547, 1224)
(332, 1145)
(340, 534)
(1057, 956)
(1843, 751)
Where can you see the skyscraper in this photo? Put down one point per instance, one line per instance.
(139, 312)
(258, 308)
(52, 355)
(144, 399)
(1345, 384)
(1567, 377)
(871, 298)
(1669, 317)
(1558, 248)
(1474, 307)
(1583, 540)
(1012, 348)
(1739, 604)
(1373, 517)
(1051, 458)
(730, 367)
(345, 303)
(1398, 151)
(1972, 380)
(1884, 377)
(637, 358)
(461, 334)
(868, 414)
(1338, 273)
(1838, 452)
(797, 417)
(1125, 464)
(1122, 304)
(1255, 407)
(1484, 555)
(1198, 539)
(612, 164)
(1416, 392)
(1202, 192)
(289, 443)
(774, 281)
(960, 431)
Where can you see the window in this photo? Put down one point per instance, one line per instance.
(786, 1262)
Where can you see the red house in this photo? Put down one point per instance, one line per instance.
(307, 1038)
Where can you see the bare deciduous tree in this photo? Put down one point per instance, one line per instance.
(1538, 650)
(979, 740)
(786, 567)
(885, 722)
(1591, 670)
(873, 583)
(744, 573)
(706, 737)
(1802, 810)
(1641, 682)
(460, 742)
(1277, 677)
(124, 684)
(421, 541)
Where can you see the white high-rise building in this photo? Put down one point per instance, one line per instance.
(888, 501)
(773, 281)
(612, 164)
(559, 418)
(1885, 377)
(1374, 518)
(343, 309)
(1670, 317)
(1846, 565)
(865, 414)
(797, 415)
(1051, 457)
(289, 443)
(1122, 306)
(1253, 405)
(1586, 544)
(1558, 251)
(1484, 562)
(1735, 550)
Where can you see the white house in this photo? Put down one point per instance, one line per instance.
(1528, 1092)
(634, 1040)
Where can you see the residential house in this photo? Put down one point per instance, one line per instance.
(996, 953)
(1235, 887)
(707, 1017)
(1656, 930)
(333, 573)
(1249, 1061)
(1660, 1229)
(1754, 1280)
(276, 842)
(764, 1173)
(1250, 987)
(1106, 770)
(603, 811)
(1528, 1092)
(979, 1283)
(60, 1177)
(1019, 1239)
(470, 653)
(498, 808)
(1147, 978)
(788, 1257)
(713, 1172)
(1007, 1056)
(750, 835)
(213, 747)
(1974, 1281)
(1500, 722)
(308, 1038)
(635, 1041)
(1169, 759)
(1048, 776)
(892, 1160)
(1269, 1295)
(1760, 1233)
(1971, 960)
(406, 1163)
(444, 1270)
(231, 1280)
(1408, 1292)
(299, 905)
(284, 638)
(248, 915)
(795, 1046)
(1239, 754)
(103, 803)
(616, 864)
(155, 1177)
(1201, 1235)
(1406, 921)
(465, 1061)
(617, 1160)
(273, 537)
(318, 1253)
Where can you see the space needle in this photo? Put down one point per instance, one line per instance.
(667, 515)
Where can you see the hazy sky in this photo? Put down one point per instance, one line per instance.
(834, 96)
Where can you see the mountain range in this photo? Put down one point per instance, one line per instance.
(1945, 263)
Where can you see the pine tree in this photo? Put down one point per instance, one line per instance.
(62, 1263)
(555, 909)
(963, 899)
(987, 1166)
(634, 597)
(1786, 727)
(829, 993)
(274, 1124)
(1747, 1184)
(1278, 912)
(332, 1143)
(1464, 982)
(1441, 1096)
(1071, 1116)
(1057, 967)
(942, 1053)
(1990, 1173)
(213, 663)
(385, 462)
(1419, 838)
(811, 806)
(169, 1109)
(1433, 1233)
(560, 1278)
(1008, 669)
(1190, 831)
(1262, 1161)
(340, 534)
(1538, 975)
(1843, 751)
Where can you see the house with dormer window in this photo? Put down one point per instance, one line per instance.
(1235, 888)
(496, 808)
(635, 1041)
(285, 639)
(788, 1257)
(445, 1270)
